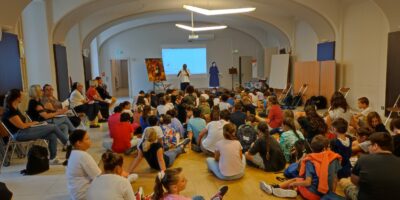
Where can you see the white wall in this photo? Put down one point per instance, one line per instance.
(36, 45)
(145, 42)
(305, 43)
(365, 33)
(74, 55)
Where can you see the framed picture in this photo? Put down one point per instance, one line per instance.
(155, 69)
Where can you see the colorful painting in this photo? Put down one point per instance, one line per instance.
(155, 69)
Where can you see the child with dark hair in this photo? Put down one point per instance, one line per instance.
(213, 133)
(360, 146)
(194, 127)
(342, 145)
(265, 153)
(223, 104)
(152, 122)
(228, 162)
(145, 114)
(81, 168)
(374, 122)
(122, 134)
(111, 184)
(247, 133)
(174, 182)
(317, 175)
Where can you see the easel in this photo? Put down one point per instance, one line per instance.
(232, 71)
(395, 108)
(161, 85)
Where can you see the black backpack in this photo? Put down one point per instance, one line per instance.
(38, 160)
(246, 135)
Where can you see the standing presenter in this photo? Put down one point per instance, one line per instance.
(184, 75)
(214, 75)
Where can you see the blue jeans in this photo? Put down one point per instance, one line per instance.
(63, 123)
(214, 167)
(172, 154)
(48, 132)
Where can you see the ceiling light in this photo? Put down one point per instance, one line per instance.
(196, 29)
(218, 12)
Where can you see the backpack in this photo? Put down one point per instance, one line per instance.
(246, 135)
(76, 121)
(170, 138)
(38, 160)
(292, 171)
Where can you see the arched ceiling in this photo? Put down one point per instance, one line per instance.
(271, 18)
(261, 31)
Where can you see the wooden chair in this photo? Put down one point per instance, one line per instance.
(395, 108)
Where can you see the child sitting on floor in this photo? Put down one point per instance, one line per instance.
(174, 181)
(342, 145)
(317, 175)
(247, 133)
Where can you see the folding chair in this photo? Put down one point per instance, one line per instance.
(300, 94)
(83, 115)
(344, 91)
(395, 108)
(13, 143)
(285, 93)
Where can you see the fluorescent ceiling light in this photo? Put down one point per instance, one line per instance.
(218, 12)
(196, 29)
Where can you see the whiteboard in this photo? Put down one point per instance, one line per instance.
(279, 71)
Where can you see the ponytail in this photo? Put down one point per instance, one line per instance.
(75, 136)
(158, 188)
(289, 122)
(263, 128)
(165, 180)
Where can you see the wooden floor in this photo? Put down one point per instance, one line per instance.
(202, 182)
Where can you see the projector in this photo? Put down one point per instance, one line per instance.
(202, 37)
(193, 37)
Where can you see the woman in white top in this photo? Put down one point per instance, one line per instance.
(339, 109)
(111, 184)
(228, 162)
(81, 168)
(184, 74)
(81, 104)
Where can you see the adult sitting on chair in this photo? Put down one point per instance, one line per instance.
(104, 104)
(25, 131)
(37, 112)
(102, 90)
(52, 104)
(82, 105)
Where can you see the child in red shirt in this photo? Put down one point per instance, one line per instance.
(122, 134)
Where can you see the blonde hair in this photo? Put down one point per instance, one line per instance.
(150, 137)
(33, 91)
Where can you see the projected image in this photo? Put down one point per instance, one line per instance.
(194, 58)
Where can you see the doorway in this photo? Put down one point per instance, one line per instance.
(120, 78)
(245, 69)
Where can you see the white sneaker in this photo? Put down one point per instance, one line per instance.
(265, 187)
(283, 193)
(56, 161)
(132, 177)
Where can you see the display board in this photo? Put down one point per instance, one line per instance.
(278, 75)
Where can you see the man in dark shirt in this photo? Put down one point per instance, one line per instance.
(377, 175)
(238, 117)
(101, 89)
